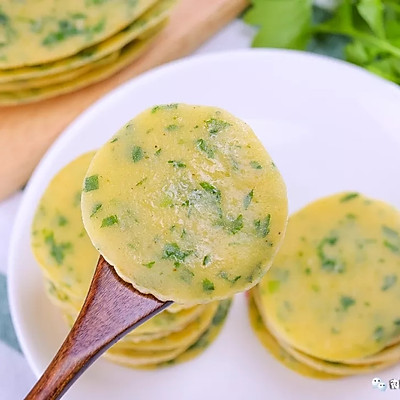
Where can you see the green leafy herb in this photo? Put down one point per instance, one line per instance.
(255, 165)
(282, 23)
(262, 226)
(349, 196)
(96, 208)
(214, 125)
(236, 225)
(378, 333)
(209, 188)
(328, 263)
(150, 264)
(109, 221)
(346, 302)
(62, 221)
(206, 259)
(388, 282)
(137, 153)
(247, 199)
(164, 107)
(364, 32)
(141, 181)
(57, 250)
(157, 153)
(208, 286)
(203, 146)
(177, 164)
(186, 275)
(114, 140)
(392, 247)
(173, 252)
(171, 128)
(221, 313)
(91, 183)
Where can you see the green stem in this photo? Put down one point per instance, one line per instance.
(364, 37)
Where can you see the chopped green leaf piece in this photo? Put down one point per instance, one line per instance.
(255, 165)
(203, 146)
(349, 196)
(96, 208)
(62, 221)
(224, 275)
(212, 190)
(57, 250)
(236, 225)
(142, 181)
(328, 263)
(137, 153)
(157, 153)
(172, 251)
(247, 199)
(177, 164)
(114, 140)
(91, 183)
(262, 226)
(109, 221)
(346, 302)
(207, 259)
(392, 247)
(208, 286)
(389, 232)
(388, 282)
(150, 264)
(214, 125)
(164, 107)
(378, 333)
(186, 275)
(172, 127)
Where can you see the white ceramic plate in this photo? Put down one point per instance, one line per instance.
(329, 127)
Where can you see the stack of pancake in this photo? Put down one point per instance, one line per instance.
(328, 307)
(68, 259)
(50, 47)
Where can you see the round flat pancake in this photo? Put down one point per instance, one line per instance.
(336, 278)
(58, 240)
(193, 208)
(196, 348)
(84, 60)
(188, 335)
(58, 29)
(275, 349)
(127, 55)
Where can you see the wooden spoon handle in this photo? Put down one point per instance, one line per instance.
(110, 311)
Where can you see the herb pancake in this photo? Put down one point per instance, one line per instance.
(192, 207)
(186, 336)
(198, 347)
(274, 347)
(336, 278)
(59, 242)
(87, 57)
(58, 29)
(128, 54)
(56, 78)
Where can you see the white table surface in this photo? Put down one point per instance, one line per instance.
(16, 377)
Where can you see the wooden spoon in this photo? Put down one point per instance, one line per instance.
(111, 310)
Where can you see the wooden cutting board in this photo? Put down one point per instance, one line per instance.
(27, 131)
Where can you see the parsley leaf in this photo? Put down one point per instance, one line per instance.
(282, 23)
